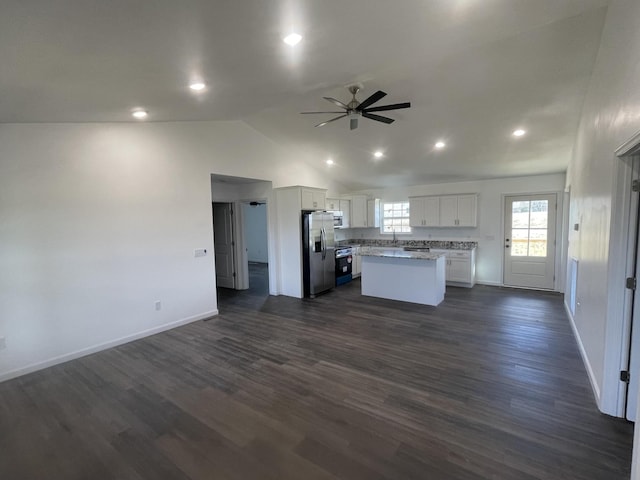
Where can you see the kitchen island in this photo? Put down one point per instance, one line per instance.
(409, 276)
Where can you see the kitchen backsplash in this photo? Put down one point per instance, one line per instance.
(445, 244)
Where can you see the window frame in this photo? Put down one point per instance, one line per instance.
(405, 204)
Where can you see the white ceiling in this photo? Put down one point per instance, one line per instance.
(474, 70)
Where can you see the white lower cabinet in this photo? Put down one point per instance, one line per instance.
(460, 267)
(356, 266)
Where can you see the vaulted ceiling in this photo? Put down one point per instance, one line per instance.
(473, 70)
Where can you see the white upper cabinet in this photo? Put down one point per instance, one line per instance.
(365, 212)
(345, 208)
(467, 210)
(358, 211)
(313, 198)
(424, 211)
(333, 204)
(449, 211)
(373, 212)
(444, 211)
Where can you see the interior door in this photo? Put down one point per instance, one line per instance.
(631, 404)
(223, 244)
(529, 243)
(631, 407)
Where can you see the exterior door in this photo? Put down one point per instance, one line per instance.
(223, 244)
(529, 242)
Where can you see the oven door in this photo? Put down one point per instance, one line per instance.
(344, 269)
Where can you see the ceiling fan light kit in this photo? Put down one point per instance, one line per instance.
(355, 109)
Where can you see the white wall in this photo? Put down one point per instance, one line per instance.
(611, 115)
(488, 233)
(289, 228)
(99, 221)
(255, 230)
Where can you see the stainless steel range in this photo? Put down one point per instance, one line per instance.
(344, 262)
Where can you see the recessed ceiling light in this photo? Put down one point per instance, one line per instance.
(329, 162)
(378, 154)
(197, 86)
(519, 132)
(292, 39)
(440, 145)
(140, 114)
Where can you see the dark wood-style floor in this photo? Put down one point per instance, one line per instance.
(487, 385)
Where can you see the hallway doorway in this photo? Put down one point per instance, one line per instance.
(251, 238)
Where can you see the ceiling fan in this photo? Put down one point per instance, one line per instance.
(355, 109)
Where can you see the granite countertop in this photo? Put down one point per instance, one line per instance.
(435, 244)
(396, 253)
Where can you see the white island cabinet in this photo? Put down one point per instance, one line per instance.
(417, 277)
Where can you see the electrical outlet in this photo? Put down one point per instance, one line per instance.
(200, 252)
(3, 343)
(158, 305)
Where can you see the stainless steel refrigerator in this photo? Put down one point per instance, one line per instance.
(318, 253)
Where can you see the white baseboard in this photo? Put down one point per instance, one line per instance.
(500, 284)
(583, 354)
(489, 283)
(102, 346)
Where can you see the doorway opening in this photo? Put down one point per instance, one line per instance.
(242, 231)
(256, 234)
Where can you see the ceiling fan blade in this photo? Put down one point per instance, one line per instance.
(382, 108)
(378, 118)
(308, 113)
(329, 121)
(371, 100)
(337, 102)
(353, 124)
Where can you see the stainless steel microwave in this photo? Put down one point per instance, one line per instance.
(337, 219)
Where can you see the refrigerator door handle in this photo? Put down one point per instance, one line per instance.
(323, 243)
(324, 233)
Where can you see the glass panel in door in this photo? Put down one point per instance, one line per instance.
(529, 224)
